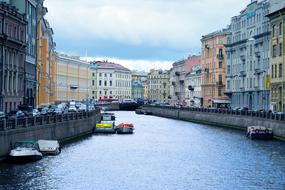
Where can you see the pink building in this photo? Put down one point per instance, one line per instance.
(192, 61)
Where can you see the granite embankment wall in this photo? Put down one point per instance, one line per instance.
(224, 118)
(61, 127)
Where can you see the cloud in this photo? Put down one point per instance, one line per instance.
(158, 23)
(140, 65)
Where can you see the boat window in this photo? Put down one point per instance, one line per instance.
(24, 144)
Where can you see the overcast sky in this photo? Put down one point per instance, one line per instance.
(137, 31)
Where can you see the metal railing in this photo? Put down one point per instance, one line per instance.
(15, 123)
(248, 113)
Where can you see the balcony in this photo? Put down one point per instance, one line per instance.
(220, 56)
(191, 88)
(258, 71)
(177, 73)
(73, 87)
(242, 74)
(220, 83)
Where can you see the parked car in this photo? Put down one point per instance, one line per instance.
(2, 115)
(19, 114)
(82, 107)
(36, 112)
(44, 111)
(243, 109)
(72, 109)
(58, 111)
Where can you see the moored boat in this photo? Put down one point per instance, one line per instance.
(258, 132)
(124, 128)
(25, 151)
(49, 147)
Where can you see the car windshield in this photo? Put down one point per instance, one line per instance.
(24, 145)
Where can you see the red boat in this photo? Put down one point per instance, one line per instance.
(125, 128)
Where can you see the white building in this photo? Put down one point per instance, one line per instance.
(193, 92)
(110, 80)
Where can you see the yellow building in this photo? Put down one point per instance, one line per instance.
(73, 79)
(45, 62)
(277, 59)
(158, 87)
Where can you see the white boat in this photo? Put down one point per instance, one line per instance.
(259, 132)
(25, 151)
(50, 147)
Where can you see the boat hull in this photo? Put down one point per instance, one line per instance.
(124, 130)
(25, 159)
(106, 130)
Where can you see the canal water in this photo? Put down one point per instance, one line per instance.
(162, 154)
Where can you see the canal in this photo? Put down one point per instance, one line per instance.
(162, 154)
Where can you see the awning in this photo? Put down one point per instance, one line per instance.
(220, 101)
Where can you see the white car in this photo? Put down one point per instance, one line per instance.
(72, 109)
(82, 107)
(36, 112)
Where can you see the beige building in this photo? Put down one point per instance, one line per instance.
(277, 60)
(158, 86)
(110, 80)
(73, 78)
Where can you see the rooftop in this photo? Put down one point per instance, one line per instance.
(110, 65)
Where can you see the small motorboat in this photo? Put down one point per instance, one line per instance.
(49, 147)
(124, 128)
(258, 132)
(25, 151)
(105, 127)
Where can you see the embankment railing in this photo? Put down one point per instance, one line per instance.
(15, 123)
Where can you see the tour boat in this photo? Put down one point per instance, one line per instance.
(258, 132)
(25, 151)
(107, 123)
(49, 147)
(124, 128)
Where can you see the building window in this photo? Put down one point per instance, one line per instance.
(105, 83)
(93, 92)
(111, 75)
(274, 51)
(274, 31)
(280, 49)
(110, 92)
(220, 64)
(272, 71)
(93, 74)
(275, 71)
(105, 74)
(280, 28)
(280, 70)
(100, 74)
(105, 92)
(100, 83)
(100, 92)
(93, 83)
(220, 91)
(111, 83)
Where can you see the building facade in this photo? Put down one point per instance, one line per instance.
(29, 8)
(158, 86)
(277, 59)
(12, 54)
(177, 83)
(248, 57)
(73, 79)
(193, 93)
(213, 69)
(139, 81)
(111, 80)
(45, 61)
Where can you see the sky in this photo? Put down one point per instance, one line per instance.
(139, 34)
